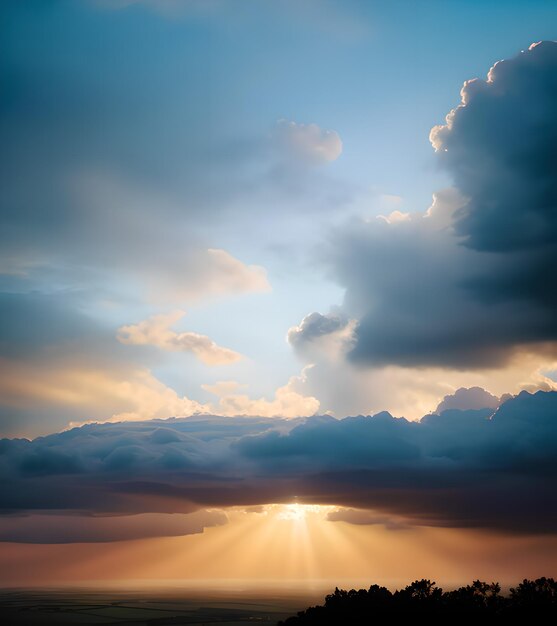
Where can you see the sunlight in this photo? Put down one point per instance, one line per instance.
(299, 512)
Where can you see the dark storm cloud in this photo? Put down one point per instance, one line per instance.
(474, 468)
(467, 285)
(500, 145)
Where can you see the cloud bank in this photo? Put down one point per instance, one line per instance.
(472, 468)
(94, 529)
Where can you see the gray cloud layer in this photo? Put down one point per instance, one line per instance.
(475, 468)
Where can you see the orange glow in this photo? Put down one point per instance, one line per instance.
(282, 543)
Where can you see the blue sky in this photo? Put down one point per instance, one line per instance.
(141, 135)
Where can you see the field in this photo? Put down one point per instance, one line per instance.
(66, 607)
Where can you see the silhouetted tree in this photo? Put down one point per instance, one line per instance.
(535, 600)
(535, 597)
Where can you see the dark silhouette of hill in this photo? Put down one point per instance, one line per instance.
(531, 600)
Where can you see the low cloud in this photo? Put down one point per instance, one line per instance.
(361, 517)
(156, 331)
(473, 468)
(40, 528)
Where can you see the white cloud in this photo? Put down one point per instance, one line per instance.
(445, 203)
(468, 398)
(394, 217)
(344, 388)
(288, 401)
(309, 143)
(319, 336)
(156, 331)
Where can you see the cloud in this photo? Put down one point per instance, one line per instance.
(60, 366)
(499, 146)
(465, 284)
(465, 399)
(179, 267)
(289, 400)
(343, 387)
(156, 331)
(362, 517)
(473, 468)
(308, 143)
(94, 393)
(330, 334)
(56, 528)
(506, 176)
(445, 203)
(394, 217)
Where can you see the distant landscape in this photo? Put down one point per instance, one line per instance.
(155, 607)
(531, 600)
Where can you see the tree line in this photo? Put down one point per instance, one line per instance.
(531, 599)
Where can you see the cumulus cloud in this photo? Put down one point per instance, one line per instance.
(473, 468)
(289, 400)
(466, 284)
(344, 387)
(445, 203)
(508, 177)
(464, 399)
(394, 217)
(156, 331)
(308, 143)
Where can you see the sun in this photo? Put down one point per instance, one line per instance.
(297, 512)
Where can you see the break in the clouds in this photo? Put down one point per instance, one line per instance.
(464, 468)
(61, 365)
(469, 282)
(157, 331)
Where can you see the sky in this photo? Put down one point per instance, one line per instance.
(276, 276)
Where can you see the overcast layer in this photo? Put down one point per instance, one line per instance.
(464, 468)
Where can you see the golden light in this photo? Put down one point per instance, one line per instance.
(299, 512)
(278, 543)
